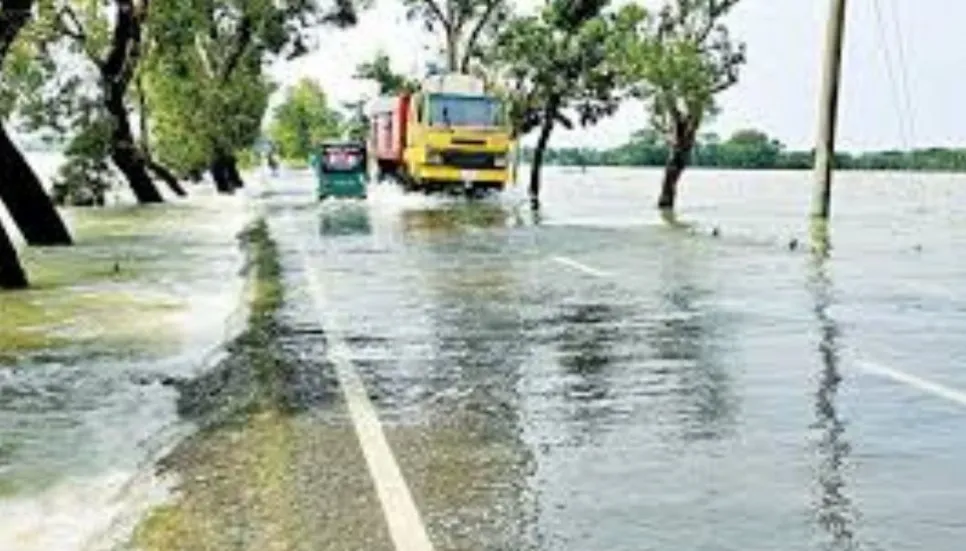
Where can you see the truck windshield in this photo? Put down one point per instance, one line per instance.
(453, 110)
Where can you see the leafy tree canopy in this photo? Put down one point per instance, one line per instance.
(380, 71)
(303, 120)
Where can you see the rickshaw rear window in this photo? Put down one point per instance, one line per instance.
(342, 158)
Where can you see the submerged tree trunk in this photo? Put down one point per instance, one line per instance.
(219, 175)
(546, 128)
(12, 275)
(116, 74)
(166, 176)
(29, 205)
(224, 170)
(233, 175)
(20, 188)
(677, 161)
(130, 162)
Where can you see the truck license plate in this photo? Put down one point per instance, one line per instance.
(468, 175)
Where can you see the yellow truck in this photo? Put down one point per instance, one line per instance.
(451, 135)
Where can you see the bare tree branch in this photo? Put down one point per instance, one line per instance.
(474, 35)
(241, 42)
(437, 12)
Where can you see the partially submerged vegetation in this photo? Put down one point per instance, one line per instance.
(243, 407)
(139, 92)
(115, 291)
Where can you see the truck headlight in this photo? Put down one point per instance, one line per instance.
(499, 161)
(434, 157)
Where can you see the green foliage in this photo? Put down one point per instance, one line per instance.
(205, 78)
(303, 120)
(356, 123)
(751, 149)
(679, 61)
(24, 73)
(466, 26)
(86, 176)
(50, 75)
(379, 70)
(192, 117)
(558, 60)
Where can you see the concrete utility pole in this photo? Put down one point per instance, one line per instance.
(828, 110)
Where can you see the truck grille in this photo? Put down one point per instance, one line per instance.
(468, 159)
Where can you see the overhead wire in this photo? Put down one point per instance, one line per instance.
(903, 73)
(902, 98)
(898, 102)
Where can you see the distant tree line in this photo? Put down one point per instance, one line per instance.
(750, 149)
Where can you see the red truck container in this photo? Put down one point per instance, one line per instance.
(388, 118)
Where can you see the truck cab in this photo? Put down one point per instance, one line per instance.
(450, 135)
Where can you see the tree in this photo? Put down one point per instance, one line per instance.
(680, 62)
(464, 24)
(144, 119)
(21, 190)
(303, 120)
(111, 41)
(380, 71)
(12, 275)
(556, 61)
(750, 148)
(356, 124)
(207, 82)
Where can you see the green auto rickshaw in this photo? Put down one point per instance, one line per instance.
(340, 169)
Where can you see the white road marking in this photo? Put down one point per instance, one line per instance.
(405, 524)
(867, 366)
(913, 381)
(580, 267)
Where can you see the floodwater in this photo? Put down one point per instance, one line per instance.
(593, 378)
(84, 412)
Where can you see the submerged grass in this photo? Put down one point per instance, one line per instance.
(240, 398)
(102, 291)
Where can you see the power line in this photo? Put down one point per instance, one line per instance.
(890, 71)
(903, 73)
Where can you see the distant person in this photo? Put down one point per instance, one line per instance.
(273, 163)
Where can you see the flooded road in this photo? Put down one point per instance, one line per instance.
(594, 378)
(602, 381)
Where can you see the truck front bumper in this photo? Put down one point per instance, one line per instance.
(452, 176)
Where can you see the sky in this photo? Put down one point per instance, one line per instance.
(778, 91)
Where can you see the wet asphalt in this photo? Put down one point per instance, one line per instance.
(674, 390)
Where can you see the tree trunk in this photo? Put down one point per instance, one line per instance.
(29, 205)
(117, 70)
(219, 175)
(224, 170)
(144, 130)
(129, 160)
(20, 188)
(452, 56)
(167, 176)
(677, 161)
(12, 275)
(233, 175)
(546, 128)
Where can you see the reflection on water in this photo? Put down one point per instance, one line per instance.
(344, 219)
(587, 348)
(453, 217)
(834, 511)
(684, 334)
(472, 459)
